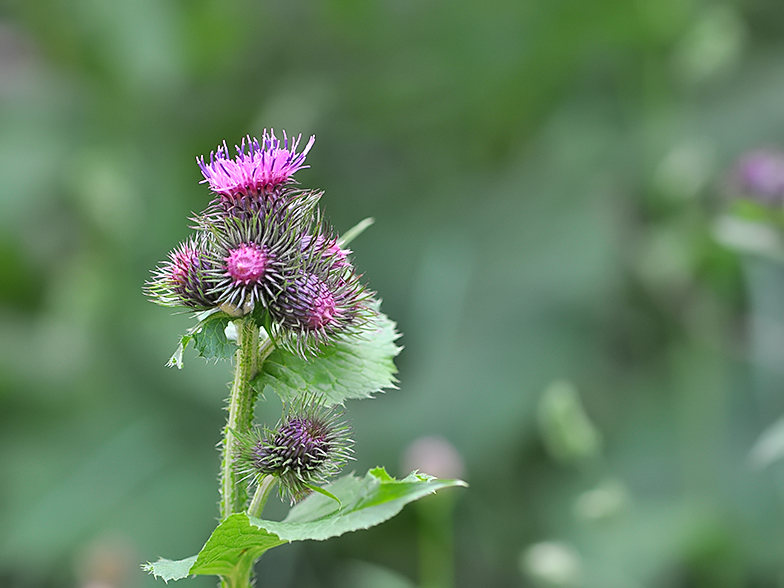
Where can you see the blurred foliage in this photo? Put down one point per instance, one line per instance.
(545, 177)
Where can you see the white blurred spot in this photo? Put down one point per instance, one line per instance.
(685, 170)
(747, 236)
(603, 502)
(769, 448)
(552, 563)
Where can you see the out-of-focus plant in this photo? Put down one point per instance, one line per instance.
(271, 285)
(755, 220)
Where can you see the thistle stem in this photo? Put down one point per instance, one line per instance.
(266, 484)
(241, 403)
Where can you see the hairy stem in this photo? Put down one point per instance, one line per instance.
(266, 484)
(241, 402)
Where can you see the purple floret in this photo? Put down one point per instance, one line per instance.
(258, 168)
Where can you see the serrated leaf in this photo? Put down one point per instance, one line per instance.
(366, 502)
(211, 341)
(233, 548)
(352, 368)
(167, 569)
(209, 338)
(239, 540)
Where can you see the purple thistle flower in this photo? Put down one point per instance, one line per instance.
(319, 307)
(258, 169)
(760, 176)
(308, 446)
(252, 257)
(180, 280)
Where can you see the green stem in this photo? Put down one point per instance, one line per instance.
(436, 548)
(266, 484)
(241, 402)
(250, 355)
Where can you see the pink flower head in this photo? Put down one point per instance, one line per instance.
(258, 168)
(246, 264)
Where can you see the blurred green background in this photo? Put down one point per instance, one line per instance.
(545, 175)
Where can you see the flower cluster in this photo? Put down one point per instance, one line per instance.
(309, 445)
(262, 249)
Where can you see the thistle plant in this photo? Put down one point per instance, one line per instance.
(272, 287)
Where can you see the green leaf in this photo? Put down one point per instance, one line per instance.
(356, 231)
(208, 336)
(167, 569)
(240, 540)
(211, 341)
(366, 502)
(233, 548)
(352, 368)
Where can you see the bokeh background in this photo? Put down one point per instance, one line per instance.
(550, 181)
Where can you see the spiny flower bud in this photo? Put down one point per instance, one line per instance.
(324, 302)
(253, 257)
(316, 309)
(307, 447)
(256, 173)
(180, 280)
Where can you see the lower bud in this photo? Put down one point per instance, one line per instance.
(308, 446)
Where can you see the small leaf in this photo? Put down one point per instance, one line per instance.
(176, 358)
(355, 231)
(240, 540)
(167, 569)
(211, 341)
(209, 338)
(352, 368)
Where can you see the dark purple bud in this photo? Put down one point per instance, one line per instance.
(308, 446)
(316, 310)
